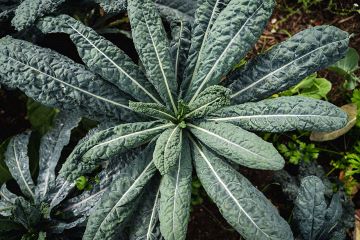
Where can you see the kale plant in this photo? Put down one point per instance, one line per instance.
(316, 219)
(175, 98)
(318, 212)
(40, 209)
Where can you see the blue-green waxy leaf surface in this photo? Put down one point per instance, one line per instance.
(332, 217)
(205, 16)
(51, 147)
(119, 201)
(17, 161)
(111, 6)
(229, 41)
(6, 195)
(108, 143)
(30, 10)
(168, 149)
(210, 100)
(145, 223)
(57, 81)
(238, 145)
(283, 114)
(6, 209)
(175, 189)
(103, 57)
(8, 8)
(153, 48)
(310, 207)
(241, 204)
(152, 110)
(288, 63)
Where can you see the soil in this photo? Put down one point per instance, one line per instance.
(206, 222)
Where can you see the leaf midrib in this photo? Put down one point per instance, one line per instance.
(133, 134)
(160, 65)
(268, 116)
(21, 174)
(226, 140)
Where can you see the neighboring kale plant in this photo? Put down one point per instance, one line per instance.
(196, 122)
(319, 213)
(315, 219)
(39, 209)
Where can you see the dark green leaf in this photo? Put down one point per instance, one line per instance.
(175, 198)
(17, 160)
(241, 204)
(153, 48)
(57, 81)
(103, 57)
(229, 41)
(119, 201)
(238, 145)
(310, 207)
(283, 114)
(286, 64)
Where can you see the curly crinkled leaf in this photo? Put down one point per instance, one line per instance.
(351, 111)
(25, 213)
(6, 209)
(288, 63)
(238, 145)
(229, 41)
(103, 57)
(145, 222)
(210, 100)
(83, 204)
(57, 81)
(152, 110)
(30, 10)
(152, 46)
(51, 146)
(241, 204)
(59, 227)
(332, 217)
(283, 114)
(179, 46)
(118, 203)
(168, 149)
(6, 195)
(205, 16)
(175, 189)
(7, 8)
(17, 161)
(106, 144)
(112, 6)
(310, 207)
(59, 192)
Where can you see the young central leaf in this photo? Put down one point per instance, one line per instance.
(167, 149)
(210, 100)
